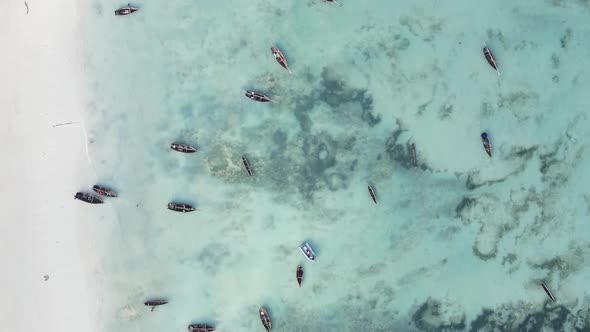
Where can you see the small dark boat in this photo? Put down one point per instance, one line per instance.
(372, 193)
(88, 198)
(126, 10)
(154, 303)
(257, 96)
(266, 322)
(413, 155)
(247, 165)
(332, 1)
(299, 275)
(486, 144)
(185, 148)
(551, 297)
(307, 251)
(200, 328)
(104, 191)
(490, 58)
(180, 207)
(280, 57)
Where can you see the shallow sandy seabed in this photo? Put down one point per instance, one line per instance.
(458, 241)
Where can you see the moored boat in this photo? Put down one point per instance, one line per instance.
(413, 155)
(372, 193)
(180, 207)
(104, 191)
(490, 58)
(299, 275)
(126, 10)
(551, 297)
(88, 198)
(184, 148)
(280, 57)
(486, 144)
(265, 319)
(154, 303)
(307, 251)
(200, 328)
(257, 96)
(332, 1)
(247, 165)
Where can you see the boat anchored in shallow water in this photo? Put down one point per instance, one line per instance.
(154, 303)
(126, 10)
(486, 144)
(180, 207)
(200, 328)
(257, 96)
(184, 148)
(307, 251)
(88, 198)
(490, 58)
(104, 191)
(280, 57)
(247, 165)
(551, 297)
(372, 193)
(332, 1)
(265, 319)
(299, 275)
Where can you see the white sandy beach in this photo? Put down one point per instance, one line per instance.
(43, 230)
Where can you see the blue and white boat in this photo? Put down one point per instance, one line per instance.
(307, 251)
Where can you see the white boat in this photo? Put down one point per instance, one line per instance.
(307, 251)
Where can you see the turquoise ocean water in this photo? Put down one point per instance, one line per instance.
(457, 243)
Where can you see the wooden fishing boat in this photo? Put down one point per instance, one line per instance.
(257, 96)
(299, 275)
(126, 10)
(486, 144)
(307, 251)
(280, 57)
(265, 319)
(180, 207)
(154, 303)
(247, 165)
(490, 58)
(88, 198)
(184, 148)
(372, 193)
(104, 191)
(413, 155)
(200, 328)
(551, 297)
(332, 1)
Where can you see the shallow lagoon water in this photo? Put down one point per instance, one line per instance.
(458, 242)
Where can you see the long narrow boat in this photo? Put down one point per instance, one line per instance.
(126, 10)
(487, 146)
(372, 193)
(104, 191)
(247, 165)
(551, 297)
(88, 198)
(332, 1)
(280, 57)
(184, 148)
(490, 58)
(257, 96)
(307, 251)
(265, 319)
(154, 303)
(200, 328)
(299, 275)
(180, 207)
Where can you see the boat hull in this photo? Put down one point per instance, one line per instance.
(180, 207)
(184, 148)
(265, 319)
(88, 198)
(104, 191)
(299, 275)
(307, 251)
